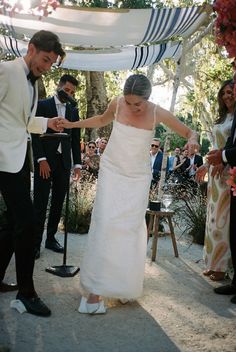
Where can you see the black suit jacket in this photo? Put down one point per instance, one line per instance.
(48, 148)
(198, 160)
(230, 147)
(157, 165)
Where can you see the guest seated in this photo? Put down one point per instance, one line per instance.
(102, 143)
(181, 167)
(90, 161)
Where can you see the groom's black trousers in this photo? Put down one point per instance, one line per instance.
(18, 234)
(233, 235)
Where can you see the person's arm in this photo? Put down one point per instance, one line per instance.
(225, 156)
(175, 165)
(168, 119)
(230, 155)
(96, 121)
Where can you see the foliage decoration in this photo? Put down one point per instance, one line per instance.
(37, 7)
(190, 206)
(82, 196)
(226, 25)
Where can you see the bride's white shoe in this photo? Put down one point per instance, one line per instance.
(91, 308)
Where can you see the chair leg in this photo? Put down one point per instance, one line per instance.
(155, 237)
(150, 226)
(173, 236)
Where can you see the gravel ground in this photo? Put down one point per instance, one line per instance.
(178, 311)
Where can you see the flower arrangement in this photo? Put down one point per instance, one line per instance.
(232, 180)
(153, 193)
(225, 25)
(37, 8)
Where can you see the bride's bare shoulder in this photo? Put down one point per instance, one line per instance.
(115, 101)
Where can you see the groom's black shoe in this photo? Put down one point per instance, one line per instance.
(54, 246)
(34, 305)
(226, 290)
(4, 287)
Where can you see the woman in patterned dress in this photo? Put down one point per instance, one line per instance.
(216, 251)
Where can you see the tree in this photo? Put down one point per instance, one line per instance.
(96, 99)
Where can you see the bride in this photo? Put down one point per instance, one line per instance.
(114, 261)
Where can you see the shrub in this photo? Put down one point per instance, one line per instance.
(82, 195)
(190, 205)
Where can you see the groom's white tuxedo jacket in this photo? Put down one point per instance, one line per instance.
(17, 118)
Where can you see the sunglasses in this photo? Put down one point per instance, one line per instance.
(91, 147)
(154, 146)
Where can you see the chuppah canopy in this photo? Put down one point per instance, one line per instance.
(127, 58)
(104, 27)
(122, 39)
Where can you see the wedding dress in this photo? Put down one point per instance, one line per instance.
(114, 261)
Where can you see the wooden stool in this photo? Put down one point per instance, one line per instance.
(153, 226)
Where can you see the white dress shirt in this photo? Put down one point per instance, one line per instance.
(61, 111)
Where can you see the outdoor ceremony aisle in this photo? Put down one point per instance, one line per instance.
(178, 312)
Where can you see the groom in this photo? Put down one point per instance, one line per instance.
(18, 103)
(217, 158)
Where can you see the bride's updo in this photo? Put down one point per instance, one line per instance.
(139, 85)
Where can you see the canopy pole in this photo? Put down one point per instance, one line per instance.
(176, 84)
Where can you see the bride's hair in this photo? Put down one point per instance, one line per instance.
(139, 85)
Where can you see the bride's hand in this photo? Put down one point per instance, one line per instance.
(192, 144)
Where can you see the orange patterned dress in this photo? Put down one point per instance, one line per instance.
(216, 251)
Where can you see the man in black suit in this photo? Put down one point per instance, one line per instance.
(18, 103)
(219, 158)
(156, 157)
(52, 160)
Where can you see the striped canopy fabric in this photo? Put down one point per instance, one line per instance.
(127, 58)
(104, 39)
(104, 28)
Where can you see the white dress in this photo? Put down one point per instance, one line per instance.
(114, 261)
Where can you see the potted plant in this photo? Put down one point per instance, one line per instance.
(190, 211)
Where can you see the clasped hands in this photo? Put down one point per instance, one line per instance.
(53, 123)
(214, 158)
(58, 123)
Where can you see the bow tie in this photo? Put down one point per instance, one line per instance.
(32, 78)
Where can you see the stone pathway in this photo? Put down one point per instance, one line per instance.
(178, 311)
